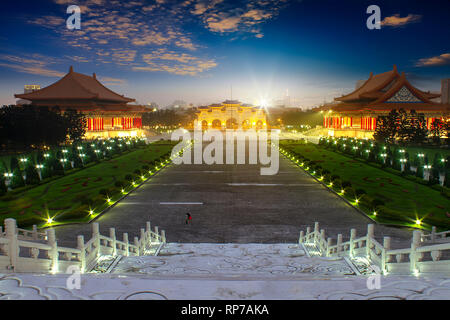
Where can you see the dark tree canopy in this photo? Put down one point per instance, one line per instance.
(23, 127)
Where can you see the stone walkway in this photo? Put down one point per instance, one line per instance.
(134, 287)
(245, 261)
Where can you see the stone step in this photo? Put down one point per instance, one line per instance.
(255, 261)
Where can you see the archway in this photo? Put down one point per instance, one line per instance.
(217, 124)
(232, 123)
(246, 124)
(259, 125)
(204, 125)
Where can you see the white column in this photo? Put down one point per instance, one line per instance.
(35, 235)
(413, 257)
(163, 236)
(370, 234)
(384, 256)
(300, 238)
(11, 235)
(96, 237)
(80, 246)
(136, 243)
(53, 253)
(339, 242)
(112, 235)
(352, 242)
(127, 246)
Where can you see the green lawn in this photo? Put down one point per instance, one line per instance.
(66, 199)
(405, 200)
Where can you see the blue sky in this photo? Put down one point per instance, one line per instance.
(194, 50)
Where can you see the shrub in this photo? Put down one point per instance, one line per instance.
(335, 177)
(145, 167)
(103, 192)
(346, 184)
(31, 175)
(3, 189)
(29, 222)
(128, 177)
(349, 192)
(376, 203)
(119, 184)
(360, 192)
(17, 179)
(137, 172)
(79, 213)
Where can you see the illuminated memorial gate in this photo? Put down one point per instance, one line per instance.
(108, 113)
(231, 114)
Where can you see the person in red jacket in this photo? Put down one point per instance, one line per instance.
(188, 218)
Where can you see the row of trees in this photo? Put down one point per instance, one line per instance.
(31, 169)
(34, 127)
(397, 158)
(411, 127)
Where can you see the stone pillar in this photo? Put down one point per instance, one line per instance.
(433, 233)
(136, 243)
(82, 258)
(300, 238)
(149, 234)
(370, 234)
(35, 233)
(96, 237)
(143, 240)
(13, 248)
(339, 243)
(112, 235)
(414, 256)
(163, 236)
(127, 246)
(352, 242)
(53, 253)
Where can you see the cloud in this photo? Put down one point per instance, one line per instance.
(34, 64)
(224, 18)
(108, 81)
(443, 59)
(176, 63)
(397, 21)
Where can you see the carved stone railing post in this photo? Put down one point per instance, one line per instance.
(370, 235)
(136, 243)
(127, 245)
(156, 233)
(300, 238)
(142, 241)
(352, 242)
(35, 233)
(316, 232)
(384, 257)
(163, 236)
(80, 246)
(308, 231)
(53, 253)
(96, 237)
(339, 243)
(13, 246)
(413, 256)
(433, 233)
(329, 242)
(149, 234)
(112, 235)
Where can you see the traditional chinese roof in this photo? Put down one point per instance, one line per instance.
(384, 92)
(75, 86)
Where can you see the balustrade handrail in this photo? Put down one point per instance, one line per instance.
(84, 256)
(382, 253)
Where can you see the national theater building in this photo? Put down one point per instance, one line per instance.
(108, 113)
(355, 114)
(231, 114)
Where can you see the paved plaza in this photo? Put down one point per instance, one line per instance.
(232, 204)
